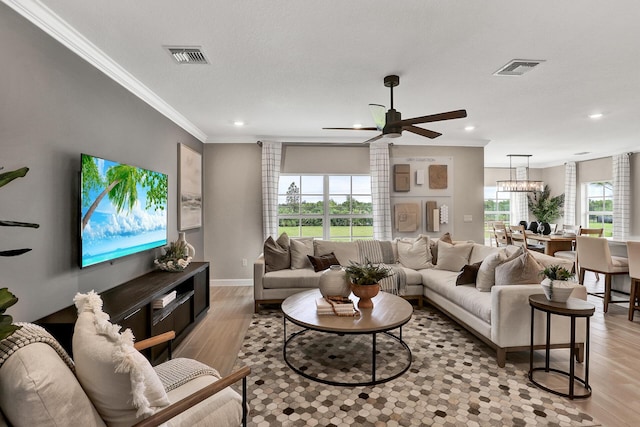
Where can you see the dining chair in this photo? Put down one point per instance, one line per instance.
(595, 256)
(633, 253)
(571, 255)
(501, 234)
(521, 240)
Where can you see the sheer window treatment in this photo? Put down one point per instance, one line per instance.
(271, 157)
(519, 206)
(621, 195)
(570, 193)
(379, 169)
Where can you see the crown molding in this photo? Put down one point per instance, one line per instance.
(45, 19)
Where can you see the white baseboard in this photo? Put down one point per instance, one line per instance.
(231, 282)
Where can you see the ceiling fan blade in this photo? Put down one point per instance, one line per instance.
(424, 132)
(378, 112)
(375, 138)
(449, 115)
(370, 128)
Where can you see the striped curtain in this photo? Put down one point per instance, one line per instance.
(621, 195)
(570, 193)
(271, 156)
(379, 169)
(519, 206)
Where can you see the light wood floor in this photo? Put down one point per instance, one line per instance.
(614, 366)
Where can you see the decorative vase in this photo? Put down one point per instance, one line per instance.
(190, 248)
(560, 291)
(333, 282)
(365, 293)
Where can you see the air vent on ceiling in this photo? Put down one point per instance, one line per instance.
(517, 67)
(187, 55)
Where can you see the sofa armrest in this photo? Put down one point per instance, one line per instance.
(511, 317)
(258, 274)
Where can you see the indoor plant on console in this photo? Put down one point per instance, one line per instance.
(557, 284)
(177, 255)
(364, 279)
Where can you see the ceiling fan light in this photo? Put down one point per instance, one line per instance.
(393, 134)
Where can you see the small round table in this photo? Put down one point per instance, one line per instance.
(389, 312)
(573, 308)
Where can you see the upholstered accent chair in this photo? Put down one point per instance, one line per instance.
(571, 255)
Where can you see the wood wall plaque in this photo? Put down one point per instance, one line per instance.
(438, 177)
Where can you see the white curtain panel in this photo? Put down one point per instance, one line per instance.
(271, 156)
(621, 195)
(570, 193)
(519, 206)
(379, 169)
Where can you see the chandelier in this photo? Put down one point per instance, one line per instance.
(516, 185)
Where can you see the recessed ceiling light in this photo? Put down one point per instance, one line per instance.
(357, 125)
(469, 128)
(238, 123)
(595, 116)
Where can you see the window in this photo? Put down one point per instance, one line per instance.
(497, 207)
(598, 206)
(329, 207)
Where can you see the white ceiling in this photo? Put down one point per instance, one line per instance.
(289, 68)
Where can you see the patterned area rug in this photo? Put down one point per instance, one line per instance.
(453, 380)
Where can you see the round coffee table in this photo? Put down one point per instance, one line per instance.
(388, 313)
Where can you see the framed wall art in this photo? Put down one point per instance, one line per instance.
(189, 188)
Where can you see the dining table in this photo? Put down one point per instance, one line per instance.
(552, 242)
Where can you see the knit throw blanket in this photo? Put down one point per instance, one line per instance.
(179, 371)
(29, 334)
(381, 252)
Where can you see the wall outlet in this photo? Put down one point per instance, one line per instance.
(244, 262)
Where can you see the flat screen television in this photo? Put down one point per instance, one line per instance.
(123, 210)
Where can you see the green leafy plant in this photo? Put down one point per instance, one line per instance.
(7, 299)
(366, 273)
(555, 272)
(544, 207)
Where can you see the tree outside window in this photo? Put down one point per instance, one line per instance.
(599, 206)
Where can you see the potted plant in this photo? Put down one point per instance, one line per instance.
(557, 284)
(544, 207)
(176, 257)
(7, 299)
(364, 278)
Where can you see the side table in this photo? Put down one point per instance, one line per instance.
(574, 308)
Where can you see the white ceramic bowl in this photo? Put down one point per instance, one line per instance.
(561, 290)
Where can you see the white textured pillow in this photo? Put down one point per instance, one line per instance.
(118, 379)
(486, 277)
(453, 257)
(415, 253)
(300, 248)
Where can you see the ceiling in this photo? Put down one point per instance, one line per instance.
(289, 68)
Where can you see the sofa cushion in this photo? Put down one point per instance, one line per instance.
(468, 274)
(453, 257)
(323, 262)
(414, 253)
(276, 253)
(480, 252)
(286, 279)
(118, 379)
(466, 296)
(38, 389)
(413, 276)
(521, 270)
(345, 252)
(300, 249)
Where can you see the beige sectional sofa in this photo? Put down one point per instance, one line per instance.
(498, 314)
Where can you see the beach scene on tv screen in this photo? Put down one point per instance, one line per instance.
(124, 210)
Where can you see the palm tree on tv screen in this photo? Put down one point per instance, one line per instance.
(121, 186)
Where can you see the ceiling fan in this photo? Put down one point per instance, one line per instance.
(391, 124)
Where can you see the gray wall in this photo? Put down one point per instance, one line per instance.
(54, 106)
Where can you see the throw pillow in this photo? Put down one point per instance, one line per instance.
(414, 253)
(446, 237)
(522, 270)
(276, 253)
(118, 379)
(453, 257)
(323, 262)
(487, 272)
(300, 249)
(468, 274)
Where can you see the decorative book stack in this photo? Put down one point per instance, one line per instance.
(163, 301)
(335, 306)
